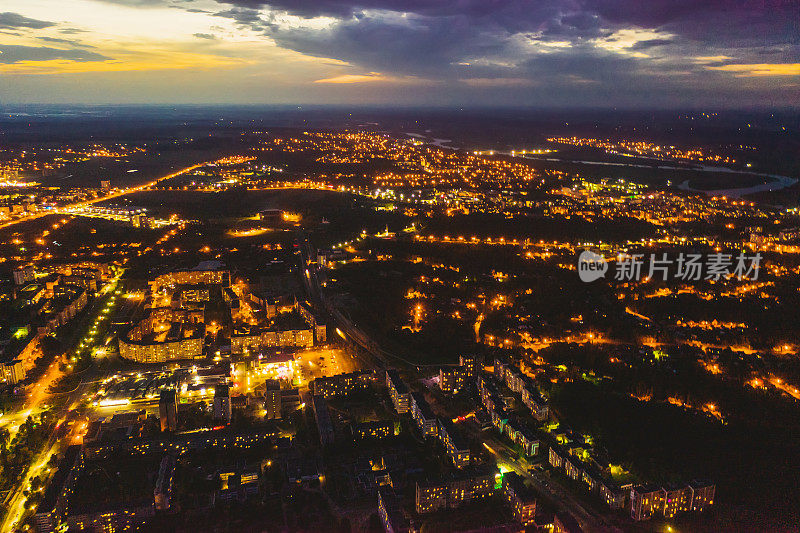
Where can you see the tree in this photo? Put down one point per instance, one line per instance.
(5, 436)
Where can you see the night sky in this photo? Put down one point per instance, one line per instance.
(536, 53)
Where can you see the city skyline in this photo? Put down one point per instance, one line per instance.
(384, 52)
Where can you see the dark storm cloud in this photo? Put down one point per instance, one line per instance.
(14, 54)
(649, 46)
(136, 3)
(346, 8)
(243, 16)
(719, 22)
(507, 15)
(11, 21)
(428, 37)
(651, 43)
(730, 23)
(397, 46)
(409, 37)
(570, 51)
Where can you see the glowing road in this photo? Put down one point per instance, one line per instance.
(117, 194)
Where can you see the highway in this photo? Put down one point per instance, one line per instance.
(111, 196)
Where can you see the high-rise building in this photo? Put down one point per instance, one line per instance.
(168, 409)
(645, 501)
(377, 429)
(13, 371)
(323, 419)
(162, 494)
(389, 510)
(702, 495)
(471, 364)
(676, 499)
(423, 416)
(222, 403)
(432, 496)
(272, 399)
(455, 488)
(520, 498)
(452, 379)
(24, 275)
(397, 390)
(454, 442)
(534, 400)
(339, 384)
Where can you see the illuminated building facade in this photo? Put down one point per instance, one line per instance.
(555, 457)
(471, 364)
(192, 277)
(392, 517)
(112, 520)
(612, 494)
(702, 495)
(423, 415)
(222, 403)
(339, 384)
(670, 500)
(24, 275)
(455, 489)
(161, 352)
(13, 371)
(398, 391)
(572, 467)
(452, 379)
(533, 399)
(180, 443)
(241, 343)
(162, 494)
(432, 496)
(454, 442)
(520, 498)
(676, 499)
(646, 500)
(514, 379)
(378, 429)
